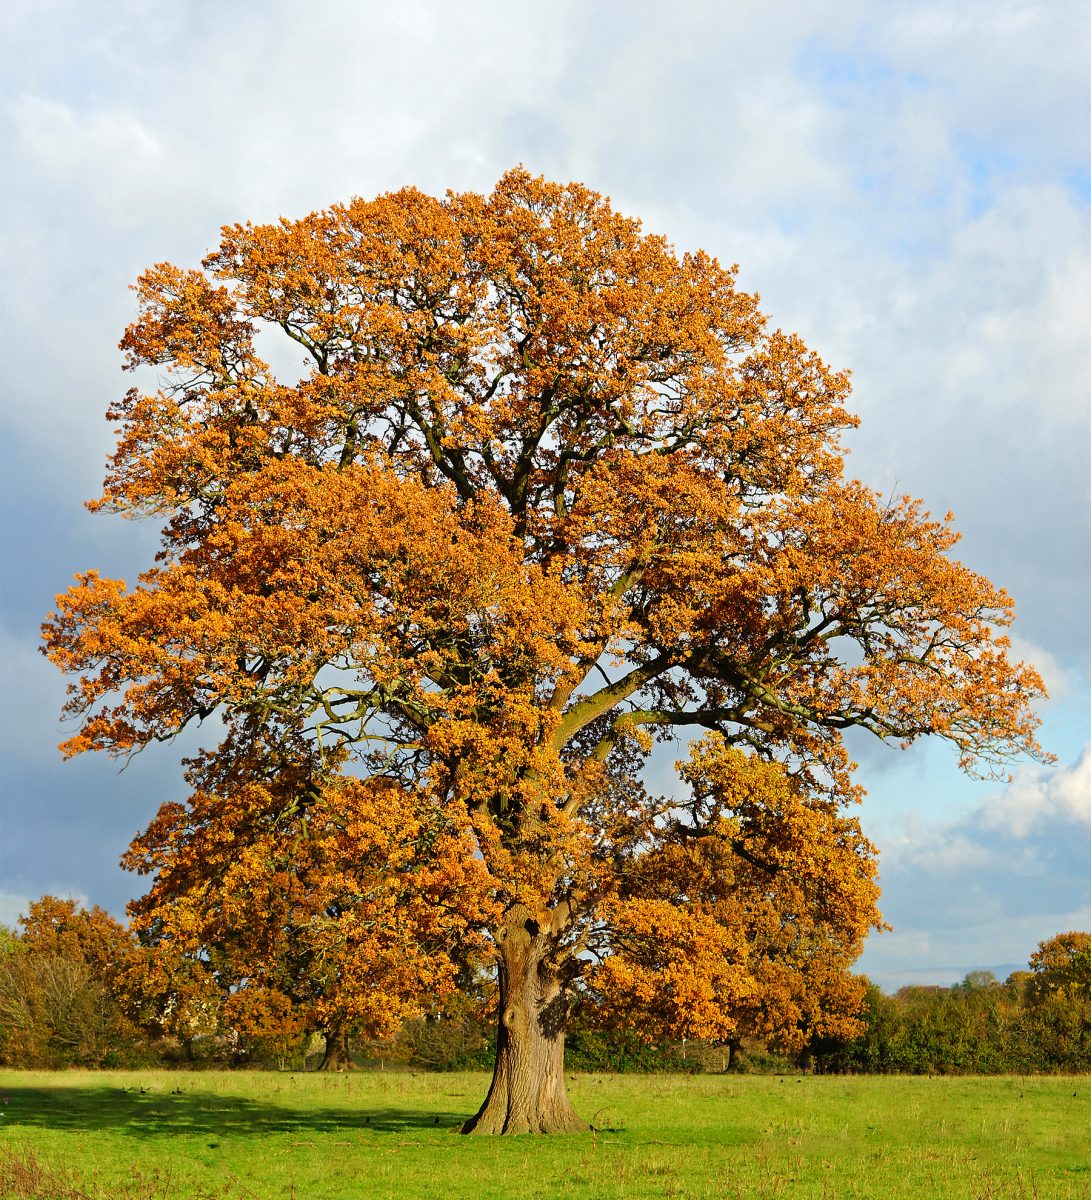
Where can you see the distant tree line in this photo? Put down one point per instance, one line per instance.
(1037, 1021)
(78, 989)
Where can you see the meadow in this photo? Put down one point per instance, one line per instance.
(171, 1135)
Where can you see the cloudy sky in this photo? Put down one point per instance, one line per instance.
(908, 186)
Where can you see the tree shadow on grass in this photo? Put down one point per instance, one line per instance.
(157, 1113)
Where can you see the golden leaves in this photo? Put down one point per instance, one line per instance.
(745, 920)
(349, 907)
(546, 488)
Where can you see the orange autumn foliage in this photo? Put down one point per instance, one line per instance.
(546, 492)
(347, 911)
(1061, 966)
(64, 928)
(747, 927)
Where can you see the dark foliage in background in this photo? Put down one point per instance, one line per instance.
(66, 1001)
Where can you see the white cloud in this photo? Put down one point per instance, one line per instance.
(1061, 681)
(111, 156)
(1038, 796)
(1072, 789)
(986, 887)
(948, 854)
(12, 907)
(1004, 67)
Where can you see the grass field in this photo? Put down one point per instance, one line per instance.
(158, 1135)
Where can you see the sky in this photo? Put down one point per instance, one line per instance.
(907, 185)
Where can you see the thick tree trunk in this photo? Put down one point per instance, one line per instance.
(527, 1093)
(337, 1056)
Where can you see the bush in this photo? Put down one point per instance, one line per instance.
(610, 1051)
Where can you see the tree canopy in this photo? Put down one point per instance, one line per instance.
(329, 916)
(544, 493)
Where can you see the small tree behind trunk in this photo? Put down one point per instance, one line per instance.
(528, 1092)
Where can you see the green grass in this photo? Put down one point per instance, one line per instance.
(158, 1135)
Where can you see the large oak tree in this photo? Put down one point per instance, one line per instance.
(545, 492)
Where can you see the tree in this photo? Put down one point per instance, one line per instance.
(337, 915)
(547, 492)
(65, 928)
(59, 1001)
(748, 929)
(10, 943)
(1057, 1017)
(1062, 965)
(978, 979)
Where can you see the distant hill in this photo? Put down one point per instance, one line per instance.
(891, 981)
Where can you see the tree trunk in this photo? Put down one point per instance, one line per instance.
(527, 1093)
(337, 1056)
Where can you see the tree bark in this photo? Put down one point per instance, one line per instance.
(528, 1092)
(337, 1056)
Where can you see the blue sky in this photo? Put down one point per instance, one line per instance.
(905, 184)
